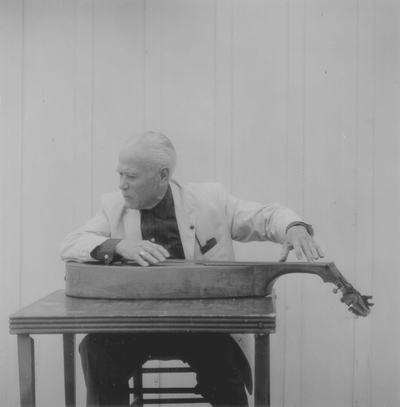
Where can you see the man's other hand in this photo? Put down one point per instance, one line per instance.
(143, 252)
(297, 238)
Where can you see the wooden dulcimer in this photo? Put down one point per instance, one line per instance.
(179, 279)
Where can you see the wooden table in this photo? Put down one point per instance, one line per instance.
(60, 314)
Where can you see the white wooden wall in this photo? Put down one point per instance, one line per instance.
(292, 101)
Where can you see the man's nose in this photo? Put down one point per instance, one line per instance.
(123, 184)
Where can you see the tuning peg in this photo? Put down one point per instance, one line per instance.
(335, 290)
(366, 299)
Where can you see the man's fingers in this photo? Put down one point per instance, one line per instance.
(156, 248)
(309, 254)
(144, 252)
(158, 252)
(285, 252)
(319, 251)
(297, 246)
(145, 258)
(316, 251)
(140, 259)
(153, 254)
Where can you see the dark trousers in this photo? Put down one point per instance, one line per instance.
(109, 361)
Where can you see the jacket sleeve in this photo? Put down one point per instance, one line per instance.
(253, 221)
(78, 245)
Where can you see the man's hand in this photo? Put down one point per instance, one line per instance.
(143, 252)
(297, 238)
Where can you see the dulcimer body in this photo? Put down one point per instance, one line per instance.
(181, 279)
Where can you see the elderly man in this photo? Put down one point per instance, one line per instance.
(154, 218)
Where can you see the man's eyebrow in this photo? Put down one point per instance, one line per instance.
(124, 172)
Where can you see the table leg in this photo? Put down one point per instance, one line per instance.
(26, 365)
(69, 369)
(262, 371)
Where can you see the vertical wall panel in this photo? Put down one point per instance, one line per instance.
(258, 109)
(188, 86)
(49, 127)
(223, 93)
(291, 294)
(118, 86)
(259, 91)
(81, 156)
(153, 65)
(49, 102)
(364, 198)
(11, 128)
(330, 145)
(385, 355)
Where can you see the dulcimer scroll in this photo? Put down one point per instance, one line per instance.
(182, 279)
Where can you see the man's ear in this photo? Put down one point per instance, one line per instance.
(164, 176)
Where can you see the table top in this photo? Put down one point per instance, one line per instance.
(58, 313)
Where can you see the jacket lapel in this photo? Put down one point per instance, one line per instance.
(186, 221)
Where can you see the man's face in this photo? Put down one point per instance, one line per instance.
(140, 181)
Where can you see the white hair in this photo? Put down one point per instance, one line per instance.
(160, 150)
